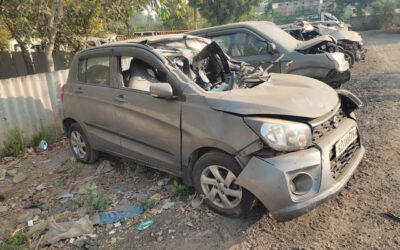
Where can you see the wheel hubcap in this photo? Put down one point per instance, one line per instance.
(218, 185)
(78, 144)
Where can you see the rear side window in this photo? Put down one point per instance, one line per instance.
(95, 70)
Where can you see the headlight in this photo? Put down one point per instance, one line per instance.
(338, 57)
(281, 135)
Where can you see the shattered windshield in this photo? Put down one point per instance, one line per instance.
(204, 62)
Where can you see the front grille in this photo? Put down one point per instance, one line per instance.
(338, 165)
(328, 126)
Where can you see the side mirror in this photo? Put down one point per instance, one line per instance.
(271, 48)
(161, 90)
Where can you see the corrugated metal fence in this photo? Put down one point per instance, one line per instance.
(30, 102)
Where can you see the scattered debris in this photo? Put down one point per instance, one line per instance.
(3, 209)
(30, 223)
(121, 212)
(197, 202)
(28, 215)
(29, 150)
(113, 240)
(43, 145)
(20, 177)
(104, 167)
(168, 205)
(65, 194)
(144, 225)
(189, 224)
(33, 204)
(40, 187)
(58, 181)
(111, 232)
(156, 198)
(12, 172)
(118, 224)
(390, 215)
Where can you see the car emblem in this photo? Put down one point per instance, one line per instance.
(335, 122)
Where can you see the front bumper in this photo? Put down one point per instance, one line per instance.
(335, 76)
(269, 178)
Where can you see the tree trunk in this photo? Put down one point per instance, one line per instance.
(195, 14)
(56, 6)
(26, 56)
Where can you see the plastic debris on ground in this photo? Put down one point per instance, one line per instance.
(43, 145)
(156, 198)
(30, 223)
(63, 230)
(121, 212)
(118, 224)
(144, 225)
(111, 232)
(58, 181)
(33, 204)
(391, 216)
(168, 205)
(65, 194)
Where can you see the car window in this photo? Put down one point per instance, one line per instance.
(241, 44)
(98, 70)
(137, 74)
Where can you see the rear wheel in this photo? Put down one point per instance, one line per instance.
(80, 145)
(214, 176)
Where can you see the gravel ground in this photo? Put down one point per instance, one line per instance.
(353, 219)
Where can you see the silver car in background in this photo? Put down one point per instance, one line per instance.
(260, 43)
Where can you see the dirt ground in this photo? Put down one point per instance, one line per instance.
(353, 219)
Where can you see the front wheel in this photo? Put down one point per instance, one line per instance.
(214, 177)
(80, 145)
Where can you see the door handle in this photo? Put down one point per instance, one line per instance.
(78, 90)
(120, 98)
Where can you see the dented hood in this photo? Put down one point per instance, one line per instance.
(282, 94)
(340, 34)
(310, 43)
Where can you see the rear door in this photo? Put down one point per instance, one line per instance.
(94, 102)
(149, 127)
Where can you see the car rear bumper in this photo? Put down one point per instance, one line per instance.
(270, 179)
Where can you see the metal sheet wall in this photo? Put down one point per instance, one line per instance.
(30, 102)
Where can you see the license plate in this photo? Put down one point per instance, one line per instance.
(345, 141)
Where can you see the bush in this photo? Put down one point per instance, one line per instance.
(95, 198)
(75, 168)
(14, 143)
(178, 190)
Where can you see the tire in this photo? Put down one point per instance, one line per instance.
(218, 186)
(80, 145)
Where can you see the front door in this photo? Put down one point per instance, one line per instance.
(149, 127)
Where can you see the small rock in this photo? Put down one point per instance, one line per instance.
(189, 224)
(104, 167)
(40, 187)
(108, 226)
(12, 172)
(65, 194)
(29, 150)
(3, 209)
(2, 174)
(20, 177)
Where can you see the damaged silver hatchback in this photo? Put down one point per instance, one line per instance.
(236, 133)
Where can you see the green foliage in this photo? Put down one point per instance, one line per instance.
(49, 134)
(95, 198)
(147, 204)
(178, 190)
(5, 36)
(75, 168)
(384, 12)
(225, 11)
(14, 143)
(14, 242)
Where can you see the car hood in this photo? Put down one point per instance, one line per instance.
(340, 34)
(282, 94)
(310, 43)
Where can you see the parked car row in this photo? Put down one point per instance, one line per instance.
(348, 42)
(218, 108)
